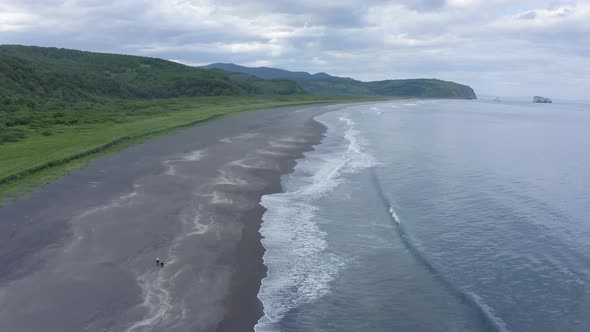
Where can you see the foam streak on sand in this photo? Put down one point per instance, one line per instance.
(242, 137)
(170, 164)
(156, 299)
(164, 303)
(166, 307)
(300, 265)
(255, 163)
(226, 178)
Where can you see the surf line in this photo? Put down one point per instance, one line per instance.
(486, 315)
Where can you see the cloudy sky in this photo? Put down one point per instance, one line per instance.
(499, 47)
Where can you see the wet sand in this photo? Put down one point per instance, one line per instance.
(80, 254)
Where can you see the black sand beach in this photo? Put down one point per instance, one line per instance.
(80, 254)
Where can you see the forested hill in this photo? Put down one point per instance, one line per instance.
(324, 84)
(267, 72)
(51, 77)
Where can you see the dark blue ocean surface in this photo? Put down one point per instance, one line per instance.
(435, 216)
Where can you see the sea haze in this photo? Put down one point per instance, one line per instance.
(436, 215)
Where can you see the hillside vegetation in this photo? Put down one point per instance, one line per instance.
(267, 72)
(67, 76)
(41, 87)
(324, 84)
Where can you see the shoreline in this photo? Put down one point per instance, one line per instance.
(245, 308)
(88, 240)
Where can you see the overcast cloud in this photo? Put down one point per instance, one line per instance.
(499, 47)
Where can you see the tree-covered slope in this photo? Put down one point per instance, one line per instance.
(30, 76)
(256, 85)
(421, 87)
(267, 72)
(325, 84)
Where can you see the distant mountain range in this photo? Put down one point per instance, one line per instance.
(325, 84)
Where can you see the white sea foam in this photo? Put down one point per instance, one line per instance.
(97, 209)
(228, 178)
(170, 169)
(300, 268)
(113, 203)
(218, 198)
(488, 312)
(247, 136)
(293, 140)
(156, 298)
(194, 155)
(394, 215)
(199, 228)
(254, 164)
(271, 153)
(128, 196)
(79, 236)
(241, 137)
(410, 104)
(156, 285)
(170, 164)
(303, 110)
(282, 145)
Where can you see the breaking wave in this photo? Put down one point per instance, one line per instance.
(300, 266)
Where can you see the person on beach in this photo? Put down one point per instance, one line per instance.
(162, 263)
(157, 261)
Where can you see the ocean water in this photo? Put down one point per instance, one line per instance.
(435, 216)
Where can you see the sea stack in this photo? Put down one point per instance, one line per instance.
(537, 99)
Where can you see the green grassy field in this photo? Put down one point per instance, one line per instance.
(51, 151)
